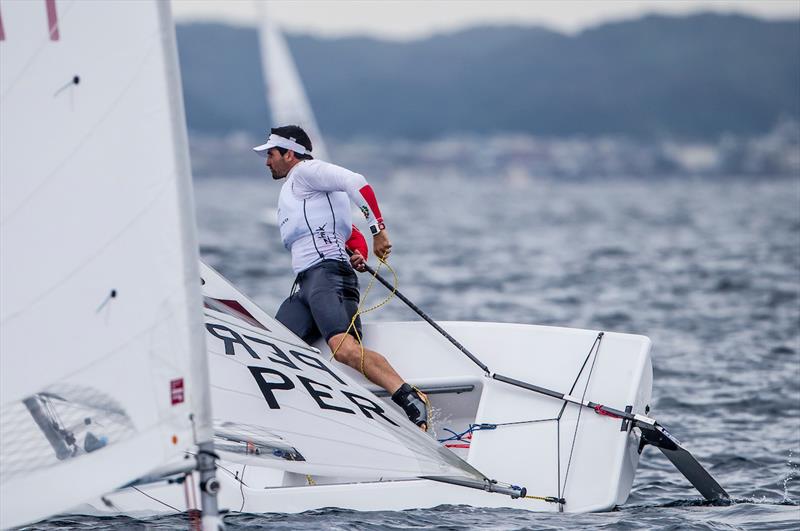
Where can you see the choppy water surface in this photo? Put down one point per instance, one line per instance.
(710, 271)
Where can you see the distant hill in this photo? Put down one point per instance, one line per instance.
(693, 77)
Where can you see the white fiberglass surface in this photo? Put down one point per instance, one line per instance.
(551, 448)
(100, 321)
(279, 404)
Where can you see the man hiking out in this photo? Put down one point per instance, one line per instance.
(316, 227)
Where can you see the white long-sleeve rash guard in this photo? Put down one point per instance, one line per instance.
(314, 211)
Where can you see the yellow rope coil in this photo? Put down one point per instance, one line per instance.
(359, 311)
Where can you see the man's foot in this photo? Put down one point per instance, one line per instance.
(414, 403)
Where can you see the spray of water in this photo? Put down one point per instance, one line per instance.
(794, 473)
(437, 418)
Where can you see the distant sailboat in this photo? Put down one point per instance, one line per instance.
(285, 93)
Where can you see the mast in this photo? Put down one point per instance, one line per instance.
(201, 391)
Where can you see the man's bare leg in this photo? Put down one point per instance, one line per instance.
(377, 369)
(380, 372)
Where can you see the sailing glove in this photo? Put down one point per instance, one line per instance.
(413, 403)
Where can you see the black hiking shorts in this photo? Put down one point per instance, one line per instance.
(324, 304)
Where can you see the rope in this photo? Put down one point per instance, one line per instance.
(464, 435)
(469, 431)
(352, 326)
(241, 486)
(534, 421)
(157, 500)
(359, 311)
(549, 499)
(580, 409)
(467, 434)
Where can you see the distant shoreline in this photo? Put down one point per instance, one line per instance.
(522, 157)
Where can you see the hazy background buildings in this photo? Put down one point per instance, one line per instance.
(710, 94)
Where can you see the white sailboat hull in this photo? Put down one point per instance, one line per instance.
(592, 467)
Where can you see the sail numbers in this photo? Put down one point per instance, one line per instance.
(274, 381)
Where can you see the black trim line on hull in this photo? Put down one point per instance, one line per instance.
(433, 390)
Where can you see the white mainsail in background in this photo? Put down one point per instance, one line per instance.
(102, 360)
(286, 96)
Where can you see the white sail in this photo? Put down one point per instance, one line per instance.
(282, 405)
(102, 368)
(286, 96)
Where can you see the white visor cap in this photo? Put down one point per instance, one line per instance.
(281, 142)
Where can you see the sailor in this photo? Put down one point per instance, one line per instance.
(315, 222)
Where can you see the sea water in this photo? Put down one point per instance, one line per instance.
(708, 269)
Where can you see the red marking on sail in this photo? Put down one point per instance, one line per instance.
(234, 308)
(176, 391)
(2, 31)
(52, 20)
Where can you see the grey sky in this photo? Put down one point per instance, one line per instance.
(408, 19)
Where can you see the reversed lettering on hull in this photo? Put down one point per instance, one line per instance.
(295, 372)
